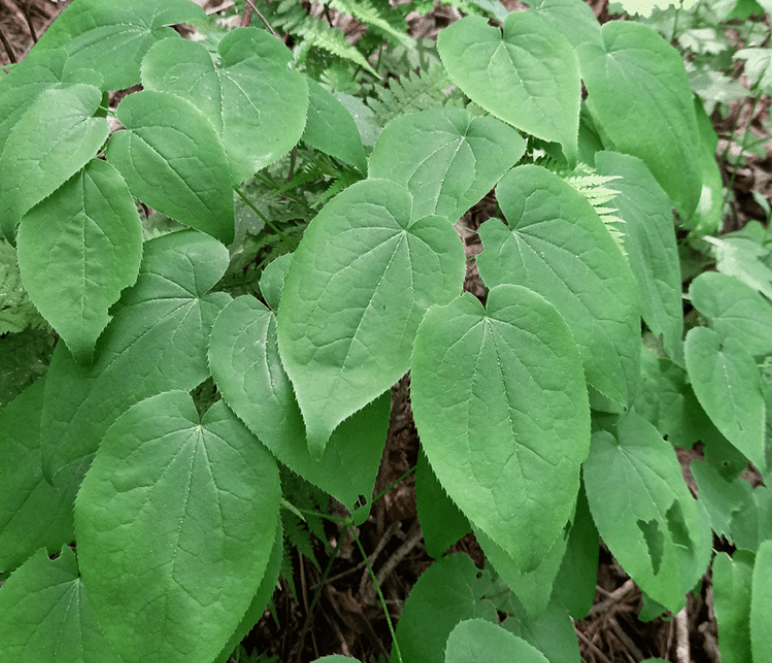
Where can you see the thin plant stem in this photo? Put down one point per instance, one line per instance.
(384, 607)
(392, 484)
(277, 188)
(315, 600)
(293, 158)
(262, 18)
(267, 221)
(675, 22)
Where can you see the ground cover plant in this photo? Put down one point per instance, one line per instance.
(211, 286)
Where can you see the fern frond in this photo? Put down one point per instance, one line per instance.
(343, 182)
(593, 187)
(365, 12)
(320, 34)
(412, 93)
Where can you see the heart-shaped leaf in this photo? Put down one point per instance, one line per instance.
(727, 383)
(343, 345)
(171, 523)
(156, 341)
(501, 406)
(52, 141)
(446, 158)
(255, 101)
(245, 364)
(47, 615)
(640, 96)
(112, 37)
(528, 77)
(173, 160)
(77, 250)
(641, 505)
(557, 246)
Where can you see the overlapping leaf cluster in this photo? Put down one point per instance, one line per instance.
(543, 420)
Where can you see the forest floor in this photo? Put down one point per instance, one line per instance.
(347, 618)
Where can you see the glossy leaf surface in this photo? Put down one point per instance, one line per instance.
(727, 383)
(255, 101)
(528, 77)
(639, 94)
(173, 160)
(446, 158)
(171, 522)
(557, 246)
(47, 615)
(54, 138)
(245, 364)
(650, 244)
(359, 284)
(112, 38)
(500, 403)
(77, 250)
(156, 341)
(644, 511)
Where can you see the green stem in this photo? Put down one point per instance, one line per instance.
(392, 484)
(675, 22)
(267, 221)
(384, 607)
(276, 187)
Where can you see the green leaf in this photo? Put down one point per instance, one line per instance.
(728, 386)
(574, 586)
(501, 406)
(77, 250)
(332, 129)
(112, 38)
(735, 310)
(528, 77)
(442, 523)
(172, 159)
(475, 640)
(245, 364)
(639, 503)
(732, 581)
(255, 101)
(33, 514)
(448, 592)
(761, 603)
(17, 312)
(261, 598)
(272, 280)
(708, 217)
(571, 18)
(758, 67)
(552, 633)
(156, 341)
(557, 246)
(361, 280)
(47, 615)
(640, 96)
(54, 138)
(171, 522)
(532, 588)
(446, 158)
(743, 258)
(650, 244)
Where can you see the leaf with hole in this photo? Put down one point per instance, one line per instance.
(500, 403)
